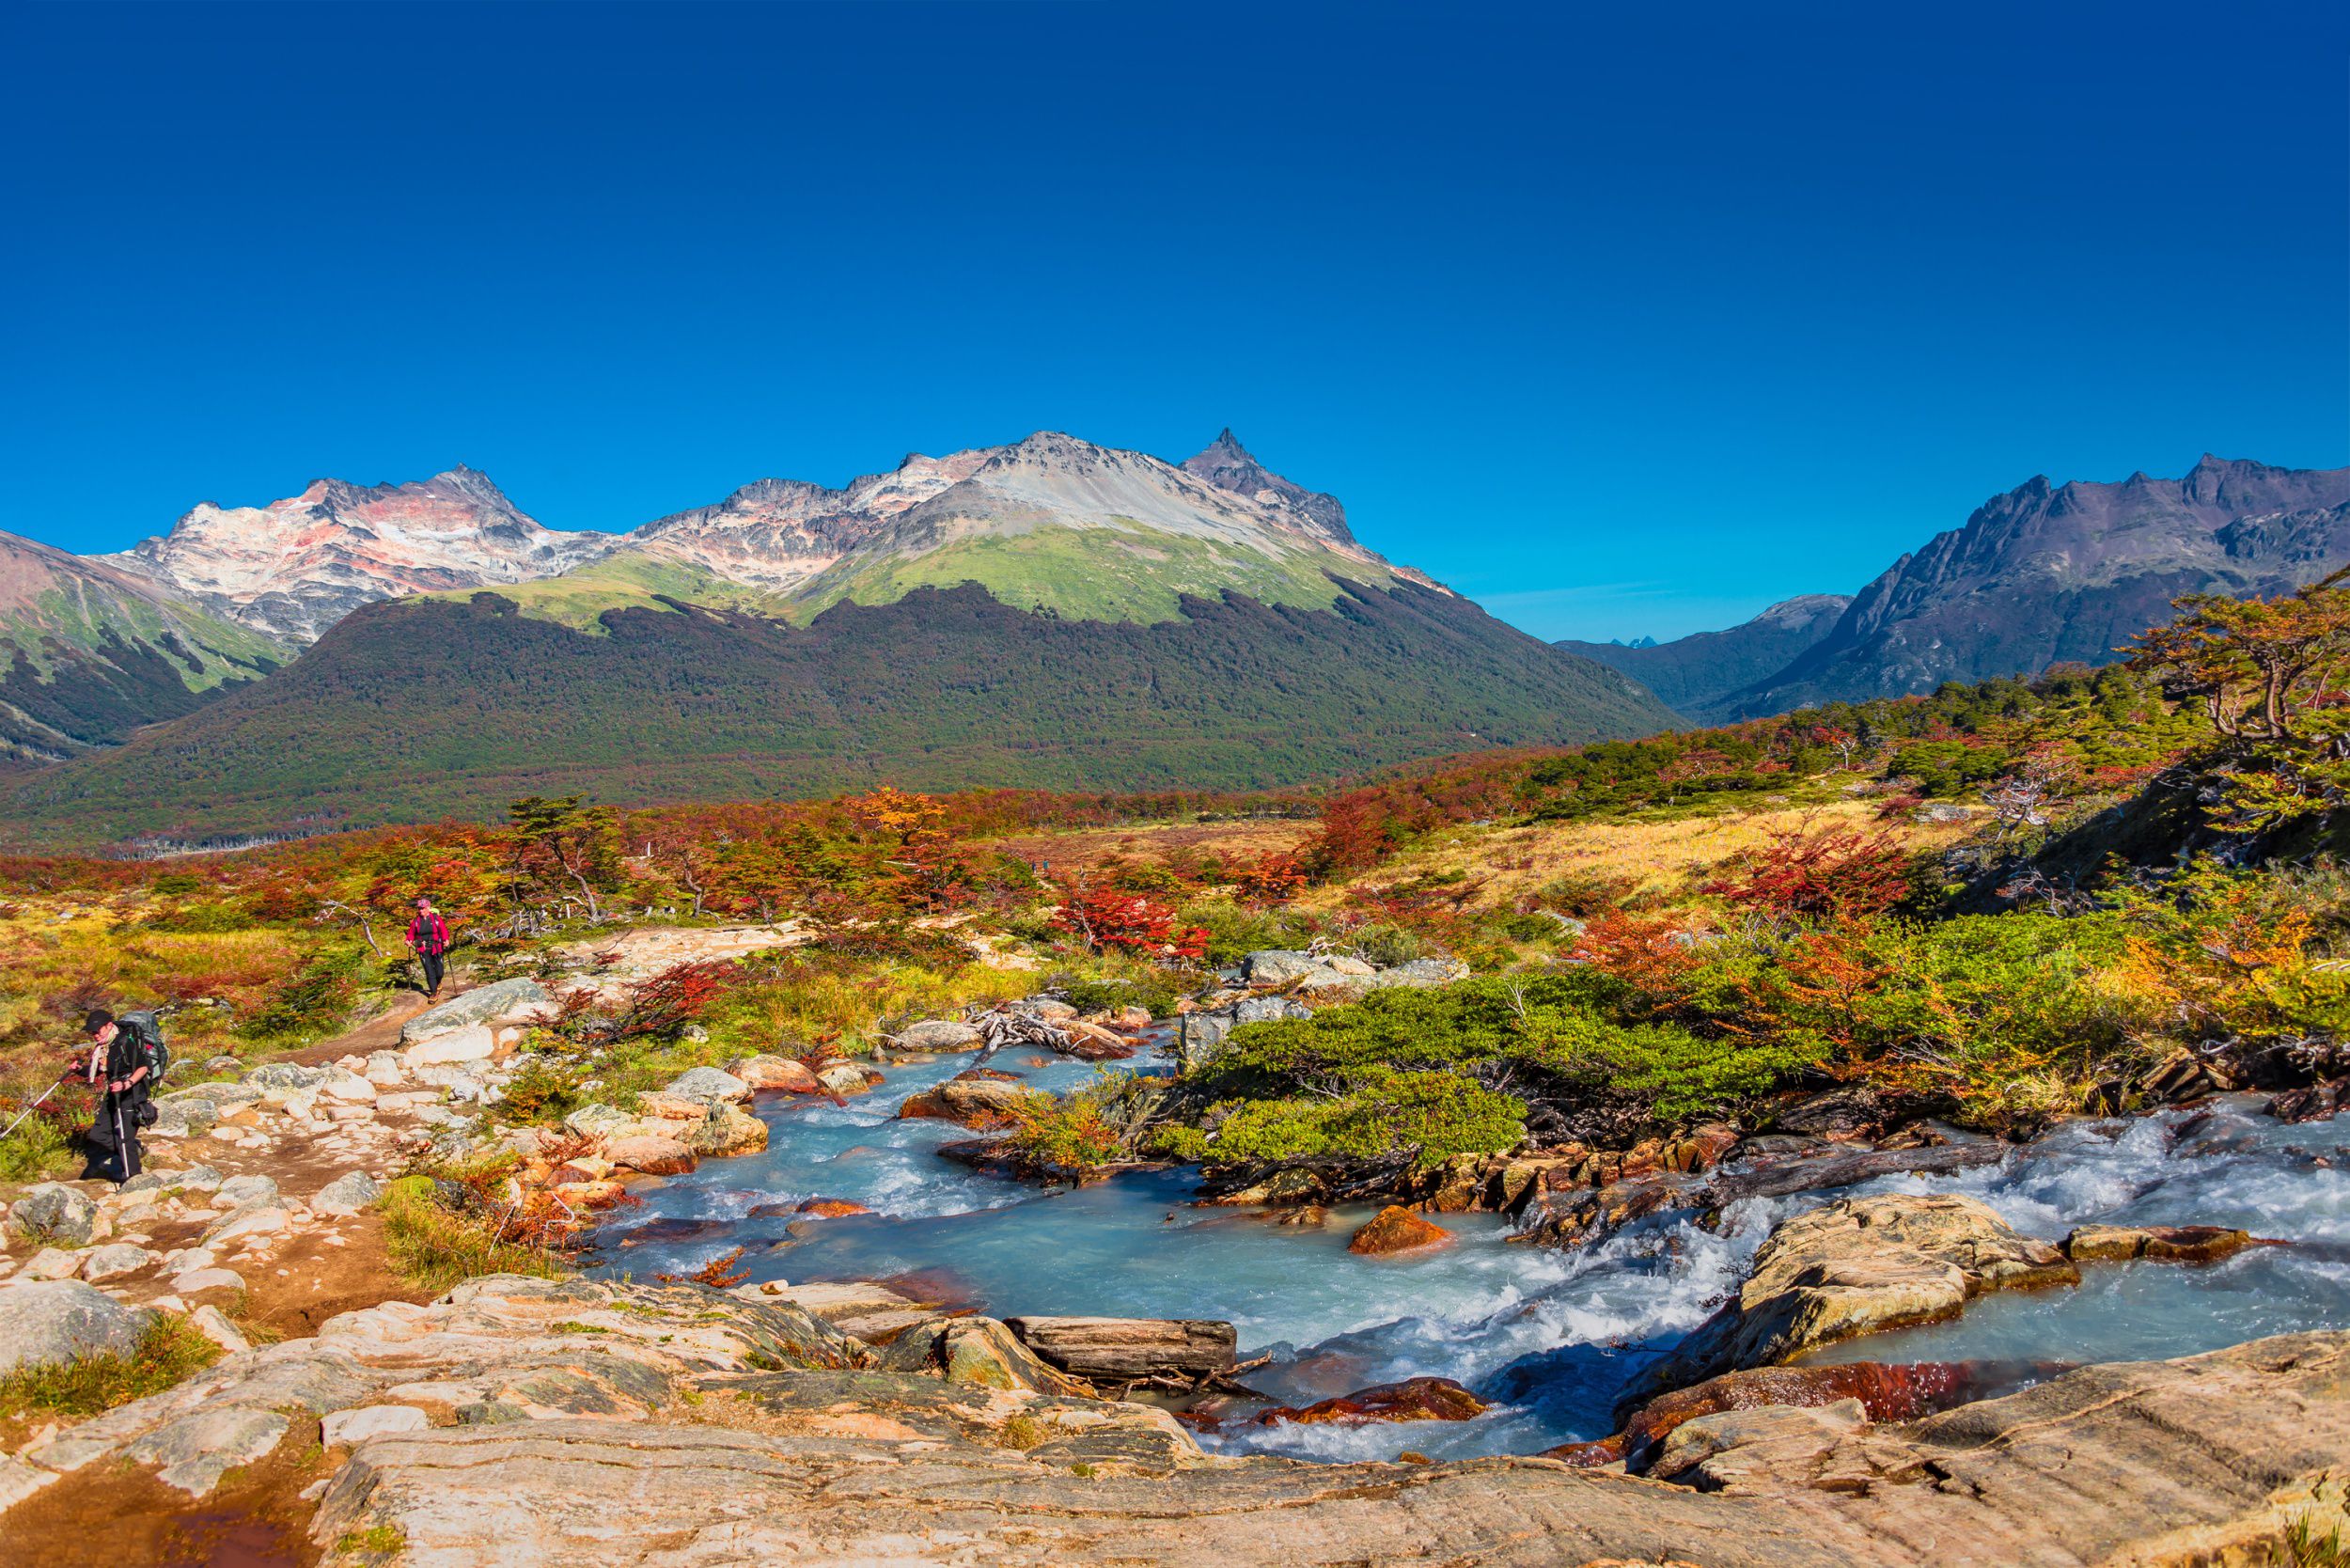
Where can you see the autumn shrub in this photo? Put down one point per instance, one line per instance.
(1831, 873)
(442, 1231)
(1109, 919)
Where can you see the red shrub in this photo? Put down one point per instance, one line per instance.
(1106, 917)
(1838, 874)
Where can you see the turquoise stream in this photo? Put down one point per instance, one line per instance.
(1550, 1336)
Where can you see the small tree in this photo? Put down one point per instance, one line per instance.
(1839, 873)
(1109, 919)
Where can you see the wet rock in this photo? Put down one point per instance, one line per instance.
(2185, 1075)
(980, 1099)
(1416, 1399)
(2313, 1102)
(2169, 1244)
(1857, 1266)
(937, 1034)
(499, 1001)
(706, 1084)
(52, 1212)
(1741, 1451)
(45, 1323)
(1397, 1230)
(1783, 1178)
(830, 1208)
(848, 1077)
(651, 1157)
(786, 1073)
(1121, 1349)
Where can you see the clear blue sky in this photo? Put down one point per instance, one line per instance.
(1624, 319)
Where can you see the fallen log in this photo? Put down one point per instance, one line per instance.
(1115, 1349)
(1779, 1180)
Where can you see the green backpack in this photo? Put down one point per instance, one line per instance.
(148, 1031)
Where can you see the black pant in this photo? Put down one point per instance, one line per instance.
(431, 963)
(114, 1139)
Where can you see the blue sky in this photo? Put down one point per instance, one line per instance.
(1621, 322)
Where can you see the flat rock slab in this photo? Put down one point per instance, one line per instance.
(1113, 1349)
(195, 1451)
(483, 1004)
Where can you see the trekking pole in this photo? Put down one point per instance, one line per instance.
(36, 1104)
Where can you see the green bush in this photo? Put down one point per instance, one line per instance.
(1234, 932)
(168, 1351)
(1438, 1114)
(1109, 996)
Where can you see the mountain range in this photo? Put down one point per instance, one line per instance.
(2041, 575)
(1050, 612)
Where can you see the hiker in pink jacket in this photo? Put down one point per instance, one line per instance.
(428, 938)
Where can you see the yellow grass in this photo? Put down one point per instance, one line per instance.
(1082, 848)
(1661, 862)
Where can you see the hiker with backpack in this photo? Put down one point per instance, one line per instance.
(428, 938)
(127, 1056)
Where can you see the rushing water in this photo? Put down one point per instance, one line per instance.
(1550, 1336)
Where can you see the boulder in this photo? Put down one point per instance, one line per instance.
(727, 1130)
(52, 1263)
(51, 1212)
(2168, 1244)
(47, 1322)
(1415, 1399)
(707, 1084)
(349, 1088)
(1857, 1266)
(974, 1350)
(596, 1121)
(779, 1072)
(1278, 967)
(450, 1047)
(830, 1208)
(1198, 1036)
(980, 1100)
(937, 1034)
(347, 1194)
(500, 1002)
(1397, 1230)
(1118, 1349)
(848, 1077)
(651, 1157)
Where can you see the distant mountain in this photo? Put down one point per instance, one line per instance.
(1046, 613)
(2049, 573)
(88, 652)
(1694, 673)
(295, 567)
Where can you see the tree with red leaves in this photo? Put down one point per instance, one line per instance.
(665, 1003)
(1270, 878)
(1107, 918)
(1838, 874)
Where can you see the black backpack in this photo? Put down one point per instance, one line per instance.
(147, 1032)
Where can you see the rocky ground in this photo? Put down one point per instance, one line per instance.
(520, 1421)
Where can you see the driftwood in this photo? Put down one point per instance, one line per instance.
(1115, 1350)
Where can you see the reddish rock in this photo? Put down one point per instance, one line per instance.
(651, 1156)
(1397, 1230)
(980, 1099)
(1418, 1398)
(832, 1208)
(776, 1073)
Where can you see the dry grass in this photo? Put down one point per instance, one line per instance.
(1084, 849)
(1659, 862)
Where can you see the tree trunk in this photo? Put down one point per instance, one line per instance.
(1111, 1350)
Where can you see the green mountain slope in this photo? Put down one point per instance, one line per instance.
(89, 651)
(419, 708)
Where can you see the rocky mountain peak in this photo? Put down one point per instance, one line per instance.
(1227, 465)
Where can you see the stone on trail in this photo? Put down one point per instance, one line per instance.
(264, 1219)
(498, 1001)
(347, 1194)
(53, 1212)
(195, 1451)
(51, 1262)
(450, 1047)
(114, 1261)
(45, 1323)
(200, 1279)
(1397, 1230)
(707, 1084)
(244, 1192)
(213, 1324)
(347, 1428)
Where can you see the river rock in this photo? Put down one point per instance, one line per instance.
(1741, 1451)
(51, 1212)
(500, 1002)
(848, 1077)
(1093, 1043)
(651, 1157)
(1397, 1230)
(46, 1322)
(979, 1099)
(727, 1130)
(1856, 1266)
(776, 1073)
(707, 1084)
(2169, 1244)
(347, 1194)
(1118, 1349)
(830, 1208)
(937, 1034)
(978, 1351)
(1415, 1399)
(596, 1121)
